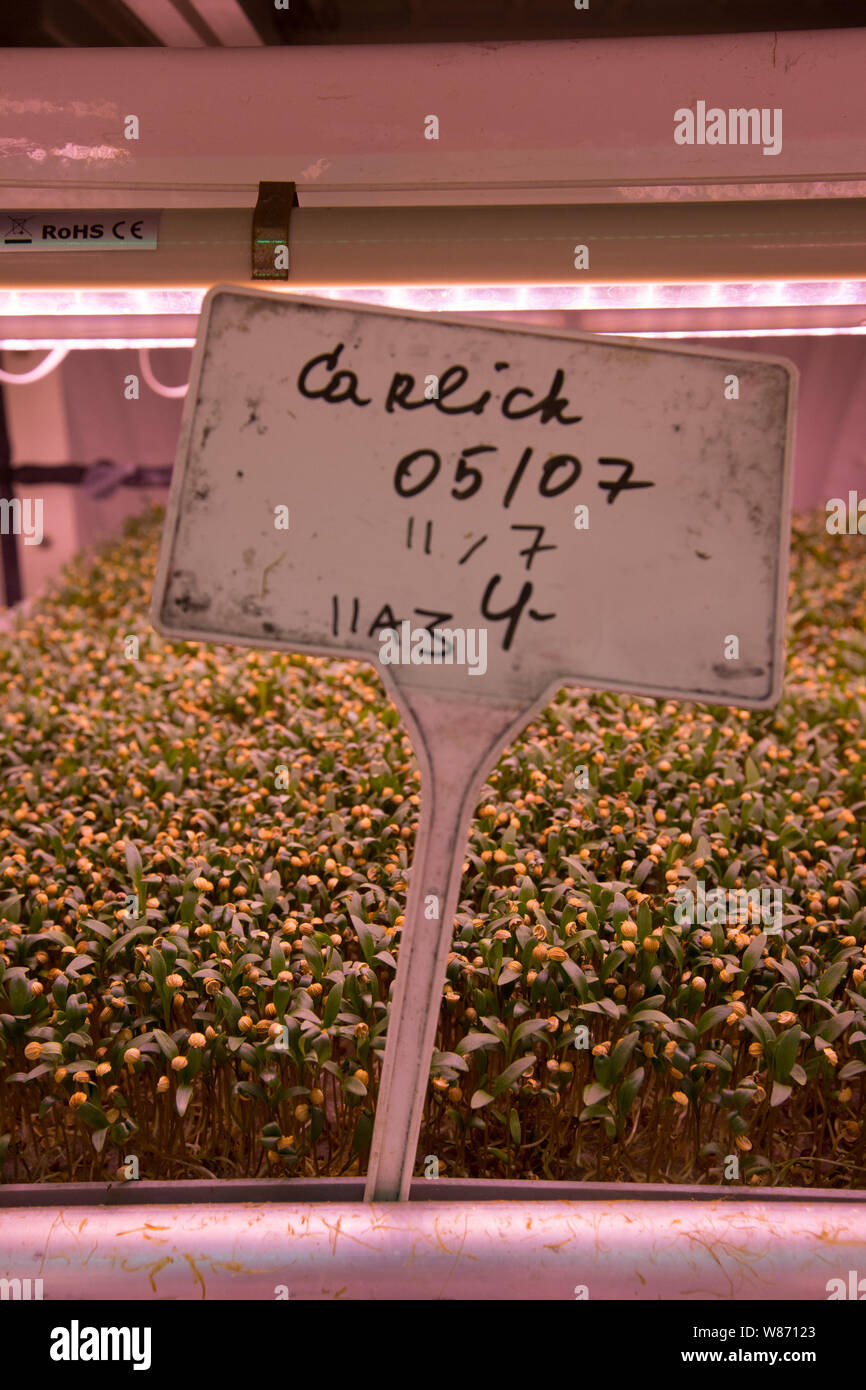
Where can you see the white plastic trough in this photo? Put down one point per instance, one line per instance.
(453, 1239)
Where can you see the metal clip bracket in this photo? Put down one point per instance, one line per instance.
(269, 247)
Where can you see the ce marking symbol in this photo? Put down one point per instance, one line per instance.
(134, 227)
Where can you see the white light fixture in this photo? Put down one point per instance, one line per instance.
(159, 387)
(56, 354)
(166, 23)
(458, 298)
(83, 344)
(227, 20)
(149, 318)
(735, 333)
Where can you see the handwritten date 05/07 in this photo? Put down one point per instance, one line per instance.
(418, 470)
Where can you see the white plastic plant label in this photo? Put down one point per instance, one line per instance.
(486, 513)
(610, 513)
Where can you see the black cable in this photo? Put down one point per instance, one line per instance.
(156, 475)
(12, 591)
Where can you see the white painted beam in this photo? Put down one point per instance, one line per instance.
(518, 122)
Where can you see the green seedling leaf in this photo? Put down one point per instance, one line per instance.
(759, 1027)
(674, 945)
(480, 1099)
(831, 1030)
(496, 1026)
(648, 1016)
(167, 1046)
(365, 939)
(332, 1005)
(473, 1041)
(717, 1014)
(133, 864)
(182, 1098)
(753, 953)
(363, 1133)
(628, 1091)
(92, 1115)
(831, 978)
(510, 1074)
(136, 934)
(451, 1060)
(785, 1052)
(621, 1054)
(528, 1028)
(514, 1126)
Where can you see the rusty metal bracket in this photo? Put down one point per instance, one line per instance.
(270, 231)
